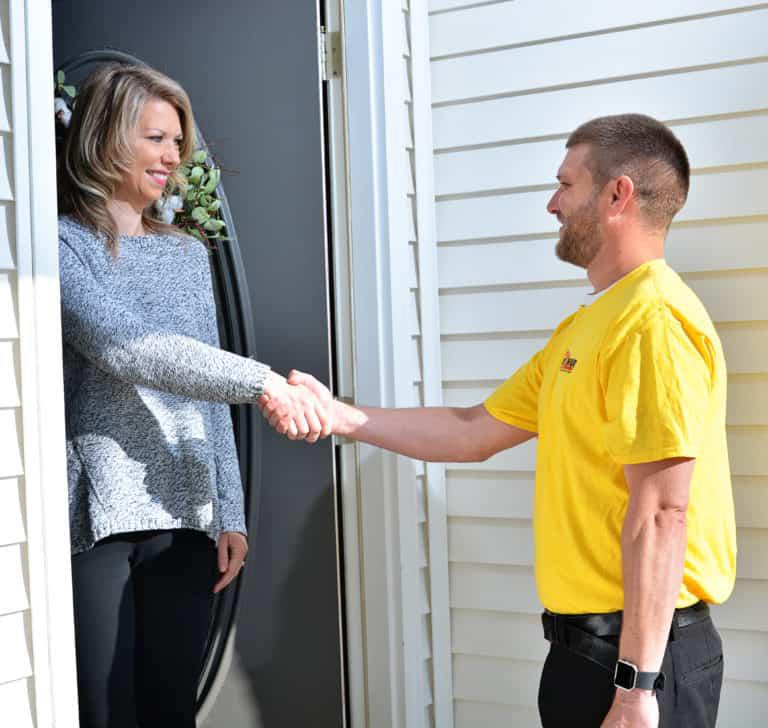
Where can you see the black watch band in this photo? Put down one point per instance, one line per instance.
(627, 677)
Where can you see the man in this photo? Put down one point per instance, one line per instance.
(633, 514)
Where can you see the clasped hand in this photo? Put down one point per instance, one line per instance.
(299, 407)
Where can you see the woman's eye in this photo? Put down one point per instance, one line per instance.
(156, 138)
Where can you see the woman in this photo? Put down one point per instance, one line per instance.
(156, 504)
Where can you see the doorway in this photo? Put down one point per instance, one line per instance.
(251, 71)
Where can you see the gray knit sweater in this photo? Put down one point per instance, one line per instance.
(149, 436)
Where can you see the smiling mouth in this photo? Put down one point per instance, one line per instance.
(159, 178)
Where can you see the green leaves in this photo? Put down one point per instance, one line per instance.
(201, 214)
(59, 77)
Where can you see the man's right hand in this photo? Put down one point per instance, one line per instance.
(295, 410)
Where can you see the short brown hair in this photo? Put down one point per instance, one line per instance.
(98, 151)
(644, 150)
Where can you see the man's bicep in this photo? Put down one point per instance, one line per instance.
(494, 434)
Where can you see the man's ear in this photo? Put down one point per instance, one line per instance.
(622, 190)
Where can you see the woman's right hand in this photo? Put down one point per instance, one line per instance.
(294, 410)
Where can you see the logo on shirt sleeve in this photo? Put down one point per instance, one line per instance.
(568, 364)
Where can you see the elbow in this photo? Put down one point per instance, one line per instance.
(671, 516)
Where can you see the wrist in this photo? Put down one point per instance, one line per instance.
(272, 383)
(346, 419)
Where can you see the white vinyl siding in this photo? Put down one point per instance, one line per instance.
(37, 675)
(16, 652)
(510, 80)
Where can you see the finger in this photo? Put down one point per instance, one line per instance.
(302, 425)
(223, 552)
(295, 377)
(226, 578)
(315, 425)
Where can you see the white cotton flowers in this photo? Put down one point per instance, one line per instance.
(168, 206)
(62, 111)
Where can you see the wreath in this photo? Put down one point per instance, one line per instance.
(194, 206)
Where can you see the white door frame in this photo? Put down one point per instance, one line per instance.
(368, 167)
(40, 357)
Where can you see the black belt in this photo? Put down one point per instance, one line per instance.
(583, 633)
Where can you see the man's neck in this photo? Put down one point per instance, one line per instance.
(615, 261)
(127, 217)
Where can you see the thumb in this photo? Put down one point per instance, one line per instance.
(296, 377)
(223, 549)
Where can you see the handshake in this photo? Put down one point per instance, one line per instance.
(299, 407)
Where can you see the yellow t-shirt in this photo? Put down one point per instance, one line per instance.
(636, 376)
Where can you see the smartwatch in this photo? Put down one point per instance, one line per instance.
(628, 677)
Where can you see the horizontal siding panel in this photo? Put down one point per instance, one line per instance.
(748, 402)
(751, 499)
(745, 608)
(464, 360)
(10, 453)
(510, 23)
(501, 311)
(728, 298)
(691, 248)
(9, 379)
(498, 634)
(748, 451)
(7, 237)
(13, 595)
(753, 553)
(712, 196)
(740, 650)
(6, 167)
(740, 89)
(491, 495)
(15, 697)
(493, 587)
(745, 347)
(743, 705)
(709, 144)
(415, 356)
(471, 714)
(8, 323)
(477, 494)
(5, 98)
(413, 268)
(676, 46)
(15, 661)
(496, 680)
(522, 457)
(490, 541)
(11, 514)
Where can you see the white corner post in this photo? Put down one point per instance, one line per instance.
(40, 354)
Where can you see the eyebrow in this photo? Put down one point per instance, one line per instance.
(180, 135)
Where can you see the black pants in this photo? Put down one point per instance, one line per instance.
(142, 612)
(577, 693)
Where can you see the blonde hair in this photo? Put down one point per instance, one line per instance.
(98, 149)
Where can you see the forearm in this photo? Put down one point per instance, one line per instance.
(434, 434)
(184, 366)
(653, 553)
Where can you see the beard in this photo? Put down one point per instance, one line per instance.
(580, 241)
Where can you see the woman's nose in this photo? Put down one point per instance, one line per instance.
(171, 155)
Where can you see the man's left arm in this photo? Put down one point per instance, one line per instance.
(653, 543)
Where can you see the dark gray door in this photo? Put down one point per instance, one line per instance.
(251, 70)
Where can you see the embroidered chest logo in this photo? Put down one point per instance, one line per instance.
(568, 364)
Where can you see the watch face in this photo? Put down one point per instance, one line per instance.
(625, 676)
